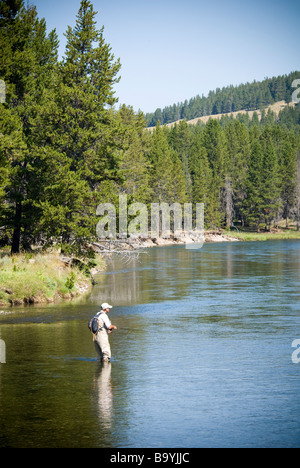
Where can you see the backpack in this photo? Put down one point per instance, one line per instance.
(93, 323)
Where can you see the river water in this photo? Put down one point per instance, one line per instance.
(202, 356)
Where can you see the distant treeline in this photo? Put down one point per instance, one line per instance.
(249, 96)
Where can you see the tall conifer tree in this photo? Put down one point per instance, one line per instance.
(26, 61)
(238, 159)
(253, 205)
(168, 179)
(270, 195)
(201, 174)
(81, 130)
(288, 171)
(214, 142)
(135, 164)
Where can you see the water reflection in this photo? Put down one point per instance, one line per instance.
(124, 285)
(103, 394)
(176, 273)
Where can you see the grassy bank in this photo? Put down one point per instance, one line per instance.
(264, 236)
(40, 278)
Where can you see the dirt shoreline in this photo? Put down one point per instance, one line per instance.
(208, 237)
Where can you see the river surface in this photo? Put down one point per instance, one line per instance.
(202, 356)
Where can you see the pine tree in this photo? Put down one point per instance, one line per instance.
(284, 142)
(201, 174)
(12, 146)
(65, 208)
(296, 205)
(238, 145)
(135, 164)
(213, 141)
(180, 139)
(26, 62)
(168, 181)
(81, 131)
(9, 9)
(288, 171)
(271, 181)
(88, 77)
(253, 205)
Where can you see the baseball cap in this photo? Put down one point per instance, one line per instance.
(106, 306)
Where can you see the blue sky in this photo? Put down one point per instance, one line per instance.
(172, 50)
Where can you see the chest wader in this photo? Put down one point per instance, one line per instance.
(102, 345)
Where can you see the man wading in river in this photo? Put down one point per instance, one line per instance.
(104, 328)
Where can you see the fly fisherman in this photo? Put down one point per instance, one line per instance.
(101, 336)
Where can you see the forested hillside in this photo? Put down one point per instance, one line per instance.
(65, 148)
(249, 96)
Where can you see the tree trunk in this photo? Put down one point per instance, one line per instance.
(15, 248)
(228, 195)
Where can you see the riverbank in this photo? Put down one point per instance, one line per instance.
(220, 236)
(284, 234)
(40, 279)
(184, 239)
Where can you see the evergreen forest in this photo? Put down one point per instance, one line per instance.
(66, 145)
(249, 96)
